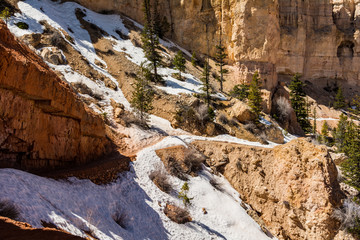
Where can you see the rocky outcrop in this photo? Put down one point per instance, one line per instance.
(317, 38)
(10, 229)
(42, 123)
(293, 187)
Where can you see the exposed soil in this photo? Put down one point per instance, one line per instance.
(99, 172)
(13, 230)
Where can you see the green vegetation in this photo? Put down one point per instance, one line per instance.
(193, 59)
(5, 14)
(183, 194)
(22, 25)
(255, 100)
(298, 103)
(220, 57)
(206, 84)
(240, 91)
(324, 133)
(142, 95)
(339, 99)
(150, 42)
(179, 63)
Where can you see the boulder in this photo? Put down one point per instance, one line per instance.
(241, 111)
(53, 55)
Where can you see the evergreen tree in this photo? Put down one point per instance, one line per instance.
(298, 103)
(142, 95)
(339, 99)
(324, 133)
(183, 194)
(220, 57)
(193, 59)
(255, 100)
(356, 105)
(150, 41)
(240, 91)
(161, 26)
(179, 63)
(206, 83)
(351, 167)
(315, 124)
(5, 14)
(340, 133)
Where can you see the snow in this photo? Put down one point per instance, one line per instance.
(78, 205)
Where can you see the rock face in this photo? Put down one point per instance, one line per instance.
(42, 123)
(293, 187)
(317, 38)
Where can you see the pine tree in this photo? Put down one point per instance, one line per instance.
(150, 41)
(351, 167)
(298, 103)
(340, 133)
(255, 100)
(179, 63)
(315, 124)
(183, 194)
(5, 14)
(324, 133)
(161, 26)
(220, 57)
(339, 99)
(193, 59)
(206, 83)
(356, 105)
(240, 91)
(142, 95)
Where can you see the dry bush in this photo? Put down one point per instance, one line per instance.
(193, 160)
(223, 119)
(251, 127)
(177, 214)
(160, 179)
(348, 214)
(9, 210)
(175, 168)
(283, 108)
(56, 39)
(216, 184)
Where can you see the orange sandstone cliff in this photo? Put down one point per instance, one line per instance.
(42, 123)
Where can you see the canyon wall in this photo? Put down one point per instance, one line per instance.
(293, 187)
(317, 38)
(42, 123)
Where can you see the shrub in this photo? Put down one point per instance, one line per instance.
(183, 194)
(177, 214)
(22, 25)
(283, 108)
(56, 39)
(175, 169)
(193, 160)
(349, 216)
(215, 183)
(9, 210)
(160, 179)
(223, 119)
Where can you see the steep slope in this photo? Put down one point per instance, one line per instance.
(317, 38)
(42, 123)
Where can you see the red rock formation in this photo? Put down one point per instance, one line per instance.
(13, 230)
(42, 123)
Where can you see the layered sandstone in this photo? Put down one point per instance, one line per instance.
(317, 38)
(42, 123)
(293, 187)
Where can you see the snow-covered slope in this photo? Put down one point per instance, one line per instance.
(77, 205)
